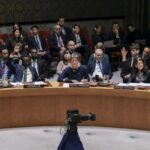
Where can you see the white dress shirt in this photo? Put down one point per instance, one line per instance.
(28, 76)
(98, 70)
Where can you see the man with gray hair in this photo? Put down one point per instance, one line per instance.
(57, 41)
(99, 67)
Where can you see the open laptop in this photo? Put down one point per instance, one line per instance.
(108, 44)
(141, 41)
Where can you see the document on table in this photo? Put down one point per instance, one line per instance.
(66, 85)
(134, 84)
(17, 83)
(39, 83)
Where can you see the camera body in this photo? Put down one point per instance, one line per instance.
(73, 118)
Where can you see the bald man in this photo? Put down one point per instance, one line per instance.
(57, 41)
(98, 67)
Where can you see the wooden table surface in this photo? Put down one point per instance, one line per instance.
(47, 106)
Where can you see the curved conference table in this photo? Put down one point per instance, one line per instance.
(47, 106)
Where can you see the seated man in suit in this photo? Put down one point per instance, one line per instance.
(57, 42)
(99, 45)
(40, 65)
(99, 67)
(80, 43)
(65, 30)
(37, 42)
(71, 47)
(74, 73)
(127, 62)
(98, 35)
(116, 34)
(132, 34)
(6, 68)
(25, 72)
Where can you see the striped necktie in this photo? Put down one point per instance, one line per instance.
(60, 42)
(25, 75)
(3, 69)
(100, 65)
(37, 42)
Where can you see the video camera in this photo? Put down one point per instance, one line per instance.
(73, 118)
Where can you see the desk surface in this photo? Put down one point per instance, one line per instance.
(47, 106)
(8, 92)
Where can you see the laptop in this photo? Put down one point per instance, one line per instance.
(141, 41)
(109, 44)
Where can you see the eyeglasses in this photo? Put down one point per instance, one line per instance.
(99, 55)
(133, 50)
(57, 28)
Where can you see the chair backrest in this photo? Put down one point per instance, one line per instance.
(85, 33)
(46, 35)
(3, 37)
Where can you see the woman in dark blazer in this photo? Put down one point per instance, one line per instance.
(75, 72)
(140, 72)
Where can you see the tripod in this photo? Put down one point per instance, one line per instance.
(71, 141)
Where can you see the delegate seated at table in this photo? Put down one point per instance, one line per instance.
(140, 72)
(75, 72)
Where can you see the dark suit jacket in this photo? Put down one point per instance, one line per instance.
(43, 69)
(106, 68)
(73, 38)
(54, 43)
(132, 36)
(19, 73)
(126, 68)
(79, 74)
(32, 43)
(68, 32)
(112, 36)
(105, 58)
(11, 69)
(98, 38)
(146, 77)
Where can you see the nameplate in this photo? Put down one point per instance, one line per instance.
(124, 87)
(33, 86)
(82, 85)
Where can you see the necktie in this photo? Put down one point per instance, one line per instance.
(4, 72)
(37, 43)
(25, 75)
(132, 61)
(78, 40)
(33, 63)
(60, 43)
(100, 66)
(3, 69)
